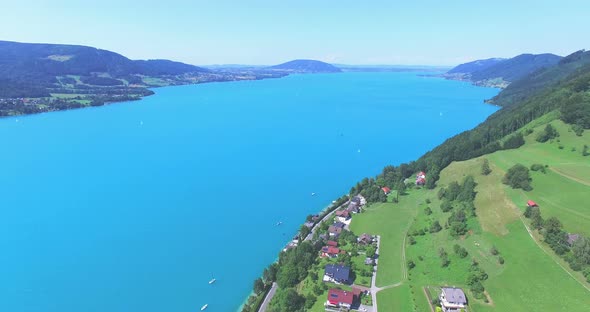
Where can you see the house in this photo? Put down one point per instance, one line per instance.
(365, 239)
(332, 243)
(572, 238)
(315, 218)
(452, 299)
(353, 208)
(386, 190)
(339, 224)
(334, 231)
(308, 224)
(338, 298)
(337, 273)
(369, 261)
(421, 178)
(359, 200)
(330, 251)
(531, 203)
(342, 215)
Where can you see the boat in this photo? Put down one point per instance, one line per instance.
(204, 307)
(212, 281)
(312, 194)
(279, 223)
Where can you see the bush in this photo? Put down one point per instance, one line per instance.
(428, 211)
(538, 167)
(411, 240)
(578, 130)
(514, 141)
(485, 167)
(446, 206)
(428, 201)
(500, 260)
(411, 264)
(518, 177)
(494, 251)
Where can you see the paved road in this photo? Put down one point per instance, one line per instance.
(316, 226)
(374, 288)
(269, 296)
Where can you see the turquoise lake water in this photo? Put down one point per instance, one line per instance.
(136, 206)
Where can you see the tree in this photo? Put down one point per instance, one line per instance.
(435, 227)
(411, 240)
(547, 134)
(485, 167)
(514, 141)
(411, 264)
(518, 177)
(581, 250)
(310, 300)
(371, 251)
(270, 273)
(258, 286)
(288, 300)
(428, 211)
(304, 231)
(446, 205)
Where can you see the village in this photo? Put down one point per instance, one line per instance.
(348, 264)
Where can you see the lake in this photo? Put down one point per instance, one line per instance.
(136, 206)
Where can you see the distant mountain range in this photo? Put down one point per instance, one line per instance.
(499, 72)
(306, 66)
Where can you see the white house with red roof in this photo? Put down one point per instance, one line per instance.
(421, 178)
(386, 190)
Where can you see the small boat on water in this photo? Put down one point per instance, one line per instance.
(312, 194)
(212, 281)
(279, 223)
(204, 307)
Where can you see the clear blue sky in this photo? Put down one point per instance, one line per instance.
(426, 32)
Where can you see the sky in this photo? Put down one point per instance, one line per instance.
(261, 32)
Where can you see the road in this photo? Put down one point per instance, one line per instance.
(316, 226)
(271, 293)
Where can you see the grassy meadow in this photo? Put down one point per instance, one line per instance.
(532, 276)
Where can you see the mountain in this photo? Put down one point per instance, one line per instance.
(474, 66)
(535, 82)
(46, 61)
(502, 72)
(306, 66)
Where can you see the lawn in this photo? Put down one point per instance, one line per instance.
(390, 221)
(397, 299)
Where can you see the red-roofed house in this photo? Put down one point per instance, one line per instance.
(386, 190)
(338, 298)
(420, 181)
(329, 251)
(332, 243)
(531, 203)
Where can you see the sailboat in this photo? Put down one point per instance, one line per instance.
(212, 281)
(204, 307)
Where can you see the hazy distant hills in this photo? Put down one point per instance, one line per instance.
(306, 66)
(475, 66)
(501, 72)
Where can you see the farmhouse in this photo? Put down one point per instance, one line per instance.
(452, 299)
(386, 190)
(343, 215)
(531, 203)
(421, 178)
(337, 273)
(365, 239)
(332, 243)
(338, 298)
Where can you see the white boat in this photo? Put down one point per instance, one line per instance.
(279, 223)
(312, 194)
(204, 307)
(212, 281)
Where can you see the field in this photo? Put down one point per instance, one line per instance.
(390, 221)
(532, 276)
